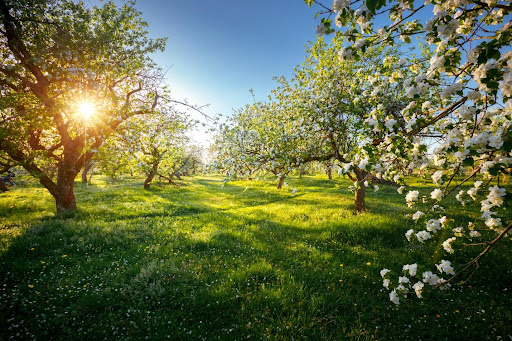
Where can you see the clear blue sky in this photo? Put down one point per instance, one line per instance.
(220, 49)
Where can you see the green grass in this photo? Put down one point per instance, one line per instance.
(244, 261)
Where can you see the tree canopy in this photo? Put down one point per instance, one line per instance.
(470, 77)
(70, 76)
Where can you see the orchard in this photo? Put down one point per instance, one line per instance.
(363, 195)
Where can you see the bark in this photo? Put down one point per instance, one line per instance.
(328, 171)
(87, 168)
(65, 196)
(359, 198)
(280, 183)
(360, 194)
(151, 175)
(3, 187)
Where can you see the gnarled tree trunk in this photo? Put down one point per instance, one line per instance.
(151, 175)
(64, 194)
(65, 200)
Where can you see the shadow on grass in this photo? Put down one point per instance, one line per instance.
(168, 263)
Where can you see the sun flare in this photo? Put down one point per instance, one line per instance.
(86, 110)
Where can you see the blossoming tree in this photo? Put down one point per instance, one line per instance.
(258, 139)
(470, 74)
(322, 114)
(70, 76)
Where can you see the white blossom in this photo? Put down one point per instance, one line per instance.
(418, 288)
(437, 176)
(447, 244)
(417, 215)
(445, 266)
(393, 297)
(412, 268)
(436, 194)
(422, 236)
(383, 272)
(411, 197)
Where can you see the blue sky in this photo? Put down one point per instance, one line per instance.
(220, 49)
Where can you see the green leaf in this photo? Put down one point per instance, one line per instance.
(309, 2)
(469, 162)
(494, 170)
(372, 5)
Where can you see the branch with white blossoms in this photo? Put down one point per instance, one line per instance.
(463, 98)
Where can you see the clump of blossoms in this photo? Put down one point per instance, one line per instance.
(463, 99)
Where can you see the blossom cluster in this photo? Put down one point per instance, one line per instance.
(461, 97)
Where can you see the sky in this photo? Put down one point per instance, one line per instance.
(218, 50)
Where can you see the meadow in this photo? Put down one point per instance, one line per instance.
(244, 261)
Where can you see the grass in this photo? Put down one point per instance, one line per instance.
(246, 261)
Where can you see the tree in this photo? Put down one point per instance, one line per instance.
(470, 73)
(186, 159)
(70, 77)
(259, 138)
(113, 158)
(156, 141)
(320, 115)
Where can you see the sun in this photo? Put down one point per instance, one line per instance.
(86, 110)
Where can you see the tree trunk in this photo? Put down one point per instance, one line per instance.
(151, 175)
(328, 171)
(361, 191)
(87, 168)
(359, 198)
(281, 182)
(65, 197)
(3, 187)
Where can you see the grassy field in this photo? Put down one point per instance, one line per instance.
(244, 261)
